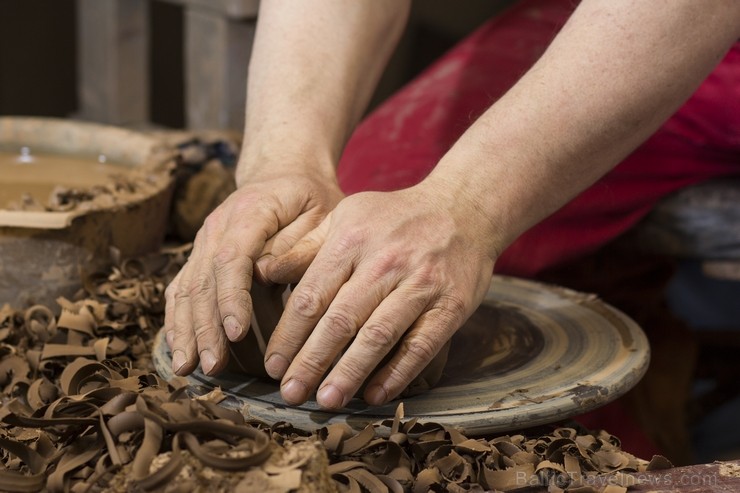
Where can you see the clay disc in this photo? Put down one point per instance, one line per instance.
(531, 354)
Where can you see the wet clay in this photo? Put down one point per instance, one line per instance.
(38, 175)
(247, 355)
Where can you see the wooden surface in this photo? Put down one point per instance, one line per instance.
(113, 58)
(113, 65)
(217, 51)
(235, 9)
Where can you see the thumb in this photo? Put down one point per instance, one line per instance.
(289, 267)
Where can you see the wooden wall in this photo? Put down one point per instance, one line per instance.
(38, 53)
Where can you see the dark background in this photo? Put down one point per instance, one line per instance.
(38, 61)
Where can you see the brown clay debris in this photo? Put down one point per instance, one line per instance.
(83, 411)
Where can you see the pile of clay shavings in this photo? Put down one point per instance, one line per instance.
(81, 402)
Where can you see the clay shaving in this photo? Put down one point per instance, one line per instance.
(83, 411)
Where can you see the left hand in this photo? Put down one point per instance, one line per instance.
(209, 302)
(383, 267)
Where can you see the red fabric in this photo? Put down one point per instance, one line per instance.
(399, 144)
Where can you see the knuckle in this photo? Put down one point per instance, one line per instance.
(225, 257)
(312, 365)
(348, 241)
(340, 326)
(183, 333)
(428, 277)
(307, 302)
(453, 307)
(286, 343)
(169, 292)
(351, 371)
(255, 203)
(198, 240)
(384, 263)
(203, 331)
(421, 347)
(201, 285)
(181, 292)
(235, 299)
(379, 335)
(212, 222)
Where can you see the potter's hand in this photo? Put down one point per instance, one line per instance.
(406, 266)
(208, 302)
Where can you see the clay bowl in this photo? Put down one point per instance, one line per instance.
(44, 251)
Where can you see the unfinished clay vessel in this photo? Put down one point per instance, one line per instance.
(247, 355)
(46, 243)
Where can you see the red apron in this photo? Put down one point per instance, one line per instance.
(400, 142)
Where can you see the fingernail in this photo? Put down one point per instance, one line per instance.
(233, 328)
(207, 361)
(178, 360)
(170, 336)
(294, 392)
(376, 395)
(330, 397)
(262, 264)
(276, 366)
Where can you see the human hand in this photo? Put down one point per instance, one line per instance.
(208, 302)
(383, 267)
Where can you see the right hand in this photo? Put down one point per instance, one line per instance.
(208, 302)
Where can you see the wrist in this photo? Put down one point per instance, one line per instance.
(259, 162)
(468, 208)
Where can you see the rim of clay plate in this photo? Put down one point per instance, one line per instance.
(151, 157)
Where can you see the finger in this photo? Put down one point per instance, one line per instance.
(169, 310)
(209, 333)
(232, 267)
(291, 266)
(375, 339)
(183, 345)
(232, 271)
(419, 346)
(281, 242)
(353, 304)
(202, 295)
(306, 305)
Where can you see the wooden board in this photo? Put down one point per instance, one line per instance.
(217, 51)
(113, 60)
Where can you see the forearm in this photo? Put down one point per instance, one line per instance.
(611, 77)
(313, 70)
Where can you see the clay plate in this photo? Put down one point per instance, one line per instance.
(531, 354)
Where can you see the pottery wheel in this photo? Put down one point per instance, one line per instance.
(531, 354)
